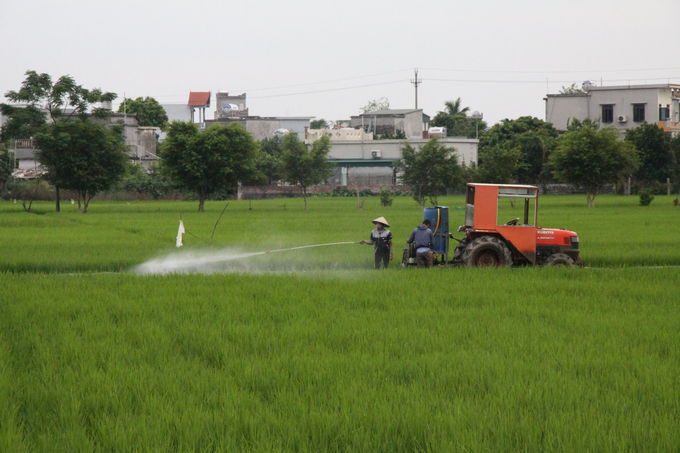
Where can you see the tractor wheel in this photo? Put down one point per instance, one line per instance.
(459, 250)
(487, 251)
(559, 259)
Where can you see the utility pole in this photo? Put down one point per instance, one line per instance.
(416, 83)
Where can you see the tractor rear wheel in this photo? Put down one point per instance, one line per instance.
(559, 259)
(487, 251)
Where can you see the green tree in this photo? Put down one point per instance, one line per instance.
(206, 162)
(589, 157)
(675, 149)
(6, 167)
(376, 104)
(430, 170)
(151, 183)
(455, 119)
(303, 166)
(269, 161)
(82, 156)
(149, 112)
(534, 139)
(63, 100)
(501, 165)
(572, 89)
(656, 155)
(22, 123)
(318, 124)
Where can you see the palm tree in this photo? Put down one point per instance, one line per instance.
(453, 108)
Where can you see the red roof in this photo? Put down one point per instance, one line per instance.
(199, 99)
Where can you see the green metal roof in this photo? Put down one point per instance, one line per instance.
(363, 162)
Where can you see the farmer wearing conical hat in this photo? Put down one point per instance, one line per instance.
(381, 238)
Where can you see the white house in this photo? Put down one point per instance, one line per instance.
(624, 107)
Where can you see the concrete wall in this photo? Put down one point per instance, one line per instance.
(177, 112)
(343, 176)
(296, 125)
(264, 127)
(223, 97)
(338, 135)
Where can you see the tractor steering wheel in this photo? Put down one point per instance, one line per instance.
(513, 222)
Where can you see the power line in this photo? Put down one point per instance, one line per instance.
(327, 90)
(626, 80)
(320, 83)
(543, 81)
(551, 72)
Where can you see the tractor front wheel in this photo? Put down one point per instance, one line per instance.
(487, 251)
(559, 259)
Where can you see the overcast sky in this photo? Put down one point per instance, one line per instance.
(328, 59)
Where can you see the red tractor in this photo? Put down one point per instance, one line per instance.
(491, 240)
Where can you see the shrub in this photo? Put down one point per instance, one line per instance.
(646, 197)
(385, 197)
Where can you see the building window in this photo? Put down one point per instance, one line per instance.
(607, 113)
(638, 113)
(664, 113)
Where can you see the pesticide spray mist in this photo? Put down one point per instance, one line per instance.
(215, 261)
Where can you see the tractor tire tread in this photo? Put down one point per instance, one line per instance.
(559, 259)
(477, 245)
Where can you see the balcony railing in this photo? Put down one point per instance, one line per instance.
(22, 143)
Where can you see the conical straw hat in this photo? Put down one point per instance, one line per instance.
(381, 220)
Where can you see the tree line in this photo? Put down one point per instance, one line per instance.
(84, 154)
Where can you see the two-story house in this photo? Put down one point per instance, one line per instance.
(624, 107)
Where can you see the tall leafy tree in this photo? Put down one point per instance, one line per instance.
(589, 157)
(430, 170)
(62, 100)
(302, 166)
(656, 156)
(209, 161)
(269, 161)
(501, 165)
(149, 112)
(82, 156)
(533, 138)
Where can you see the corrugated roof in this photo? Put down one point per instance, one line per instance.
(199, 99)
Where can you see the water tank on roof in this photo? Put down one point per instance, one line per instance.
(437, 132)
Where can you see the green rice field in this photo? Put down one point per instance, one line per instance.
(311, 350)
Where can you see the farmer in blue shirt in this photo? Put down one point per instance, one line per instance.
(424, 240)
(382, 239)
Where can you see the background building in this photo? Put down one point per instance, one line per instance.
(413, 122)
(624, 107)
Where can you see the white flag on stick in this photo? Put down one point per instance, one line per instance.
(179, 234)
